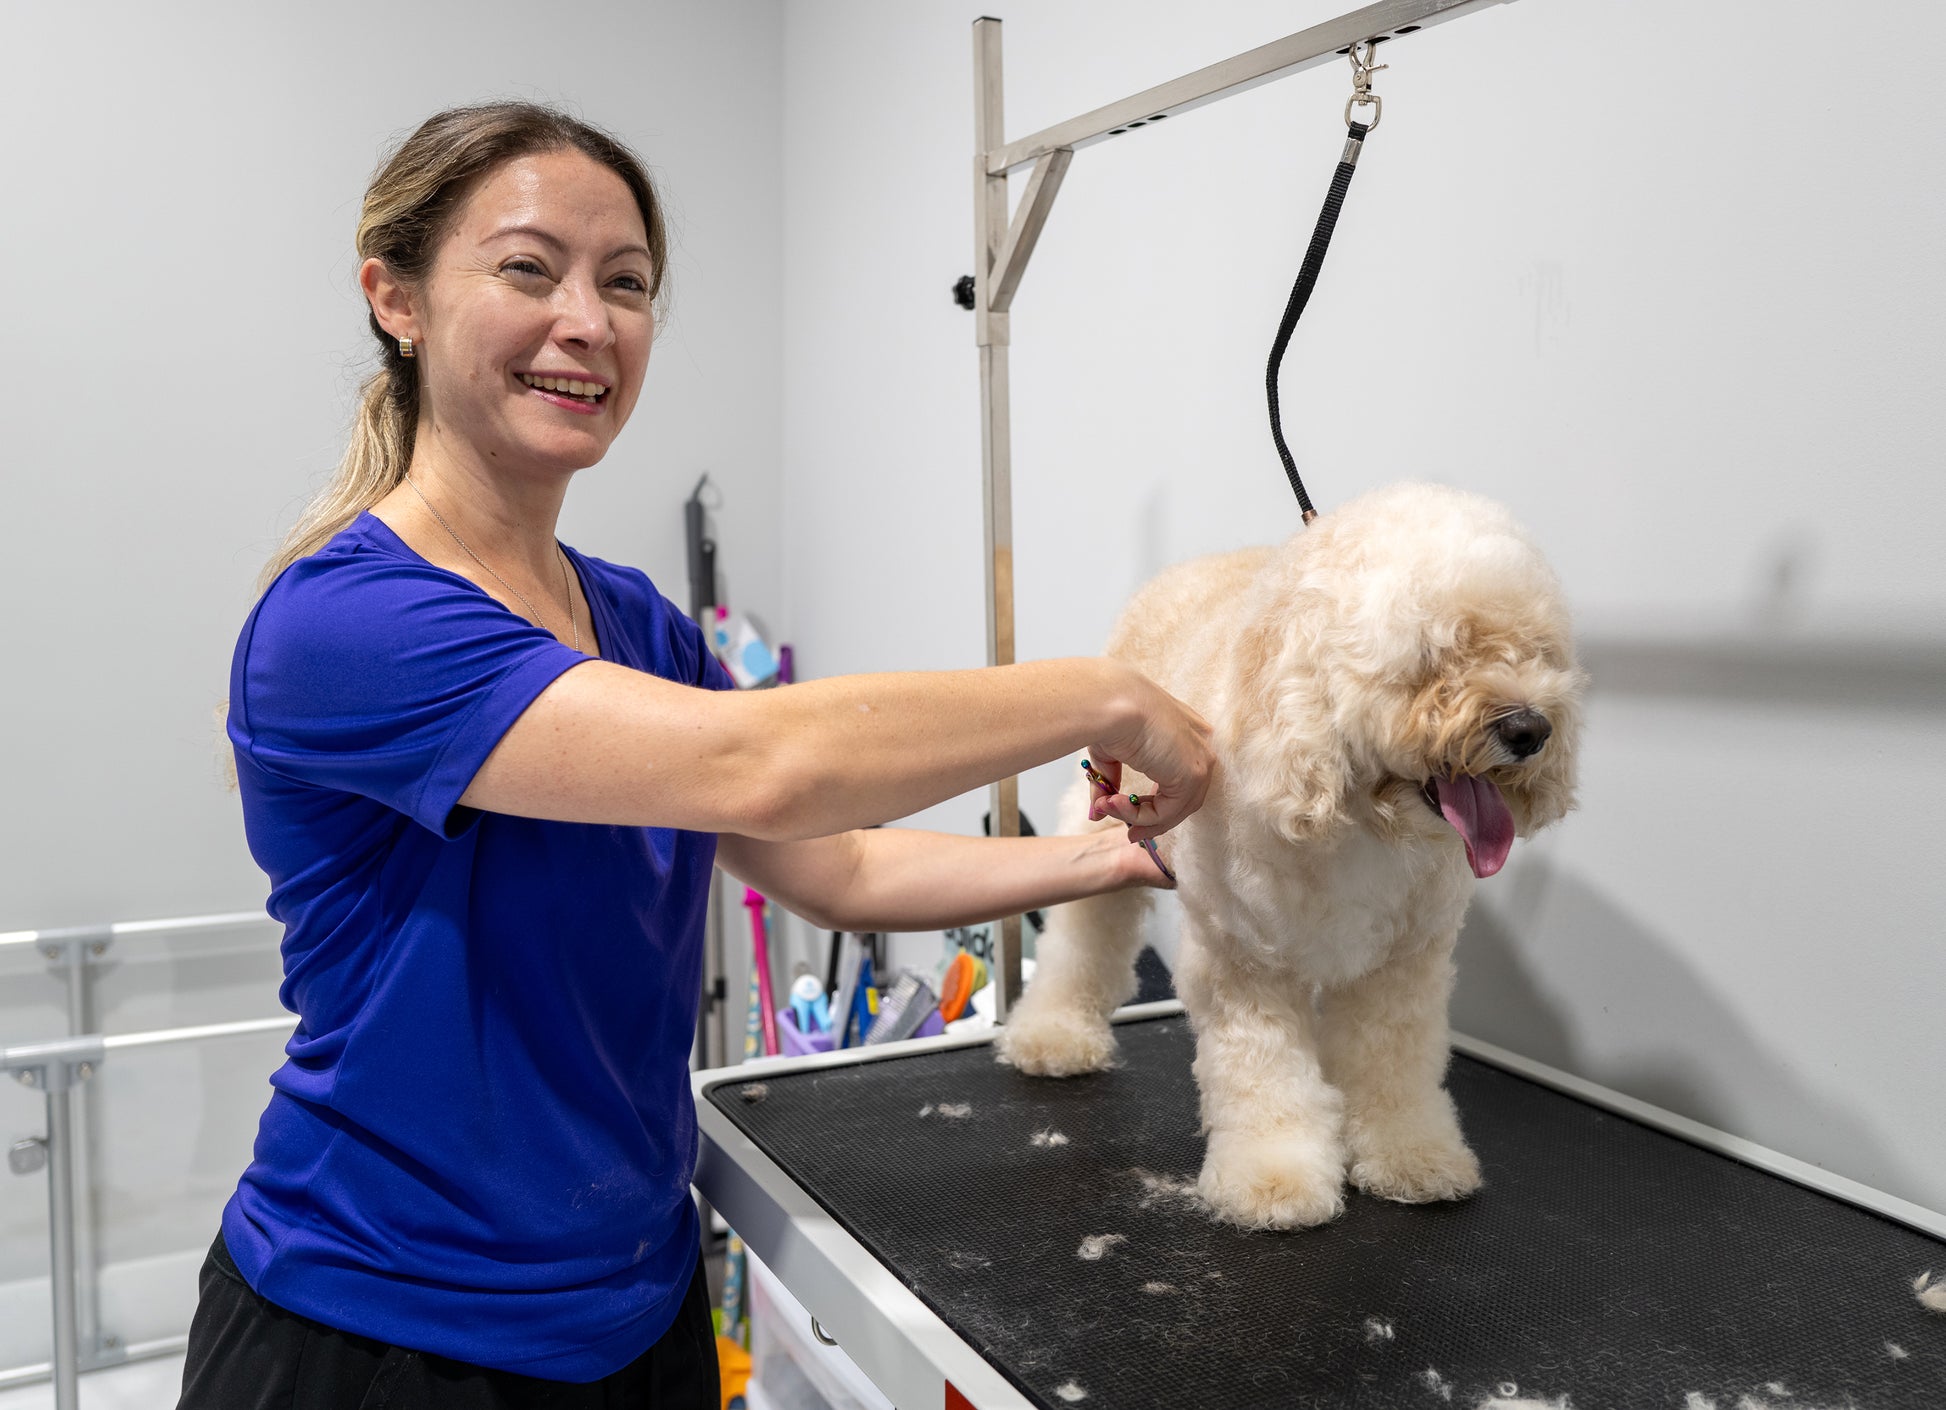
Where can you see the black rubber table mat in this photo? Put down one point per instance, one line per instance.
(1604, 1261)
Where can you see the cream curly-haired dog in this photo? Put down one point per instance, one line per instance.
(1395, 698)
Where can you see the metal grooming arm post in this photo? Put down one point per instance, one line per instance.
(1002, 246)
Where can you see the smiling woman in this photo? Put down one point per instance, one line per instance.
(487, 777)
(410, 220)
(538, 301)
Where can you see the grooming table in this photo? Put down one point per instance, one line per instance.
(900, 1193)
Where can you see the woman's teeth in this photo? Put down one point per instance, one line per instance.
(570, 385)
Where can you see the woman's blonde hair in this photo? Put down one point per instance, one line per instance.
(408, 209)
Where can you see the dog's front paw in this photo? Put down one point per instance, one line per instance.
(1413, 1167)
(1053, 1043)
(1283, 1181)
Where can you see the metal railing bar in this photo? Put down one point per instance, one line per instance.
(128, 929)
(92, 1047)
(13, 1377)
(61, 1068)
(118, 1041)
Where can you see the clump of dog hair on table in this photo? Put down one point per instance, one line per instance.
(1931, 1294)
(1070, 1392)
(1696, 1400)
(958, 1111)
(1507, 1396)
(1895, 1351)
(754, 1092)
(1437, 1383)
(1160, 1189)
(1048, 1138)
(1376, 1330)
(1158, 1287)
(1095, 1247)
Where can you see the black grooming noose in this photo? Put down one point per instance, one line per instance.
(1362, 70)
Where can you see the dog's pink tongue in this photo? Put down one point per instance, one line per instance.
(1477, 811)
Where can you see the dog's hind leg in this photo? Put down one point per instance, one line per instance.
(1084, 970)
(1274, 1158)
(1385, 1047)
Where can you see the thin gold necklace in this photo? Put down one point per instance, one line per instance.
(573, 620)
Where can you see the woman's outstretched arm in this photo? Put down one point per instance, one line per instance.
(606, 744)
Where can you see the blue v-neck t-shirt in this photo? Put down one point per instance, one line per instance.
(482, 1140)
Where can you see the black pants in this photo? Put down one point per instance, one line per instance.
(249, 1354)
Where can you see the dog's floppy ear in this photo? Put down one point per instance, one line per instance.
(1287, 757)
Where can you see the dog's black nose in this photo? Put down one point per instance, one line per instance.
(1524, 732)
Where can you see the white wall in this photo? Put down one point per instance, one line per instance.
(184, 339)
(1664, 277)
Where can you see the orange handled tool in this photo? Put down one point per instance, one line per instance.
(964, 975)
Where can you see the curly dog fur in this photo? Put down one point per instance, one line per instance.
(1395, 697)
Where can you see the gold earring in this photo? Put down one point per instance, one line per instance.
(405, 348)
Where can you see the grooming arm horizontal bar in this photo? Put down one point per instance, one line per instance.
(1291, 54)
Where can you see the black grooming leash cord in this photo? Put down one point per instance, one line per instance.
(1307, 276)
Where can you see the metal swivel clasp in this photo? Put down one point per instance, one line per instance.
(1362, 69)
